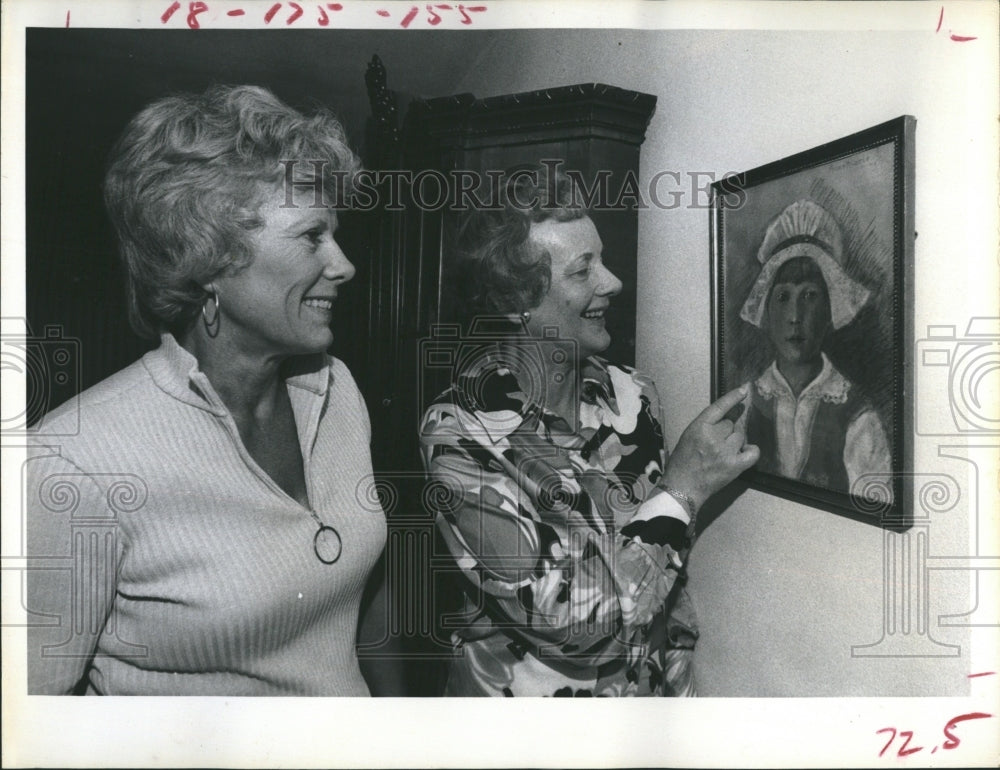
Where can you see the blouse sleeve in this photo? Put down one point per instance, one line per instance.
(527, 532)
(73, 552)
(866, 449)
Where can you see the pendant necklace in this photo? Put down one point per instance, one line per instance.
(326, 542)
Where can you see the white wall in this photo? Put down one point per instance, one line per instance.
(784, 590)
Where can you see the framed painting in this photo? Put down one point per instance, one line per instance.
(812, 277)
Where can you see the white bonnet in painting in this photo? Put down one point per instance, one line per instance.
(806, 229)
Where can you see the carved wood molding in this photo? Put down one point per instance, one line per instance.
(383, 106)
(587, 110)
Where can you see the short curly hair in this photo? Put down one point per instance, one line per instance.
(185, 183)
(498, 270)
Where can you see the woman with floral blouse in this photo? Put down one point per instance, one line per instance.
(567, 521)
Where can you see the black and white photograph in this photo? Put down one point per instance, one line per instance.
(365, 361)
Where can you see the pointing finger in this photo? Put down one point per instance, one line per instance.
(736, 412)
(715, 412)
(734, 441)
(749, 455)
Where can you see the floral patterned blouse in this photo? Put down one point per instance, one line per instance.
(565, 594)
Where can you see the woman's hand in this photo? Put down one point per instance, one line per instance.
(710, 452)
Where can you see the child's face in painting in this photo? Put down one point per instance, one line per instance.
(797, 318)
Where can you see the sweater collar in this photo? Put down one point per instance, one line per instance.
(175, 371)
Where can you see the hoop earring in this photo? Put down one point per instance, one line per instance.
(212, 324)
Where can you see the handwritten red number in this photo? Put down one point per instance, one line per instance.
(888, 742)
(295, 16)
(954, 38)
(195, 8)
(466, 19)
(905, 752)
(170, 12)
(324, 20)
(953, 741)
(270, 13)
(410, 16)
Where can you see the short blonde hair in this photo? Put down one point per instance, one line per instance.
(185, 183)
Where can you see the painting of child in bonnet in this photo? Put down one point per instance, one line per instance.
(810, 420)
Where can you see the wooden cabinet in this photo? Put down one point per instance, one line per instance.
(592, 130)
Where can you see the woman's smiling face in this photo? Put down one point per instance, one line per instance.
(281, 302)
(580, 287)
(797, 317)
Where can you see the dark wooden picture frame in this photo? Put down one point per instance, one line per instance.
(840, 216)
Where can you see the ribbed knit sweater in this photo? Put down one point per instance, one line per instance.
(163, 559)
